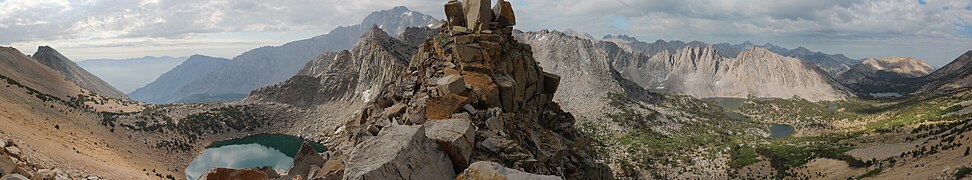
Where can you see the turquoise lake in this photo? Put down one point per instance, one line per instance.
(276, 150)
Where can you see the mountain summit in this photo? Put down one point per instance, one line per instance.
(53, 59)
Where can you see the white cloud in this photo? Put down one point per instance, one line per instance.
(858, 24)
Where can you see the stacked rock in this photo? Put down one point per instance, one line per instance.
(472, 93)
(475, 16)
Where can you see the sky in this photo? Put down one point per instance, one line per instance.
(937, 31)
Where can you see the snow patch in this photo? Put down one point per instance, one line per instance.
(366, 96)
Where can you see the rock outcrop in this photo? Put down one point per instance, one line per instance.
(884, 75)
(273, 64)
(476, 92)
(306, 162)
(164, 89)
(398, 152)
(53, 59)
(483, 170)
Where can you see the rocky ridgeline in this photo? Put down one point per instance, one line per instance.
(470, 94)
(884, 75)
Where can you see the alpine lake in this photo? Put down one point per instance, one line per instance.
(731, 106)
(275, 150)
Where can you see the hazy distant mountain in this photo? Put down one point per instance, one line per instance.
(164, 88)
(129, 74)
(883, 75)
(53, 59)
(347, 75)
(833, 64)
(272, 64)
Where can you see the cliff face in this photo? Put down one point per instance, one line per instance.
(701, 72)
(884, 75)
(342, 76)
(53, 59)
(164, 88)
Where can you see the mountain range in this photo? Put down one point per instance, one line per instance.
(272, 64)
(833, 64)
(168, 84)
(404, 96)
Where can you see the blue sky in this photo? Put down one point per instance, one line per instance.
(934, 30)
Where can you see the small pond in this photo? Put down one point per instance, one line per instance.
(730, 104)
(276, 150)
(886, 95)
(781, 130)
(736, 116)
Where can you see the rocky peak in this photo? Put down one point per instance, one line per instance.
(907, 67)
(55, 60)
(471, 93)
(375, 34)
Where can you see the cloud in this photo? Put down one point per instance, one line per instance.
(788, 22)
(31, 20)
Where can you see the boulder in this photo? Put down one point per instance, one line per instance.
(240, 174)
(442, 107)
(398, 152)
(333, 168)
(14, 177)
(550, 83)
(44, 174)
(478, 14)
(503, 12)
(507, 92)
(468, 53)
(7, 166)
(485, 170)
(394, 110)
(454, 15)
(483, 87)
(304, 160)
(13, 151)
(271, 173)
(457, 138)
(451, 84)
